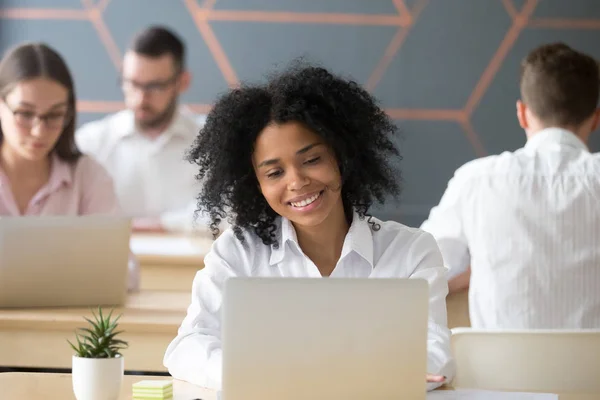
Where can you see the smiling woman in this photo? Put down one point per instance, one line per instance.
(296, 172)
(295, 165)
(302, 107)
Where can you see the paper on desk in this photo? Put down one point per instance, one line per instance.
(163, 246)
(469, 394)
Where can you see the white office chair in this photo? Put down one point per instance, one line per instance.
(527, 360)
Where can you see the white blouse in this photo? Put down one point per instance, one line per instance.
(394, 251)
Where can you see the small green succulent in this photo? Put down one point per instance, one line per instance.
(99, 340)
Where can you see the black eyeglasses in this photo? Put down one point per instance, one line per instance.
(52, 120)
(129, 85)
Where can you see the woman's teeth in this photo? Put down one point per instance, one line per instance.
(306, 202)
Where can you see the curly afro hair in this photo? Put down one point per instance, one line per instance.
(339, 110)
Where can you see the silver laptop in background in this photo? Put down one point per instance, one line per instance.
(56, 261)
(330, 338)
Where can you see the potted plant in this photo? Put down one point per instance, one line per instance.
(98, 365)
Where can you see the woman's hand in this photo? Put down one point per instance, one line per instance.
(435, 378)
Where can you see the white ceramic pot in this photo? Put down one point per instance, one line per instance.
(97, 378)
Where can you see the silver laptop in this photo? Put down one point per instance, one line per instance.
(59, 261)
(330, 338)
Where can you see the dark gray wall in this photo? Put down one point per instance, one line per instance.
(446, 70)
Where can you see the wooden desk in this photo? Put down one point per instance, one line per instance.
(457, 305)
(168, 261)
(37, 337)
(19, 386)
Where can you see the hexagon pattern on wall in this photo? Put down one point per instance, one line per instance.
(458, 73)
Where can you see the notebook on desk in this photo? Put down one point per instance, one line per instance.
(54, 261)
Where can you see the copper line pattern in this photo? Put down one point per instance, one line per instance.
(488, 75)
(307, 18)
(88, 4)
(560, 23)
(43, 13)
(209, 4)
(510, 8)
(519, 23)
(95, 17)
(401, 7)
(218, 53)
(102, 4)
(386, 60)
(199, 16)
(472, 136)
(404, 19)
(91, 106)
(199, 108)
(393, 48)
(425, 114)
(418, 8)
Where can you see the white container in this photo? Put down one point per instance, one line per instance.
(97, 378)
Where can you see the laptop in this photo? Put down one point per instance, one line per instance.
(329, 338)
(63, 261)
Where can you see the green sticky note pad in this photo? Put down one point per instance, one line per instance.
(156, 384)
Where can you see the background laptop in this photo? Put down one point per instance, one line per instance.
(63, 261)
(330, 338)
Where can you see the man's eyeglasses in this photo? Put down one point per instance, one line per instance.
(52, 120)
(129, 85)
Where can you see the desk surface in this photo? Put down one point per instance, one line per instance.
(37, 337)
(457, 305)
(18, 386)
(145, 310)
(171, 249)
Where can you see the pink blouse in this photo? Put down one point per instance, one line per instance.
(80, 188)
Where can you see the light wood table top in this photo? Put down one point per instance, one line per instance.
(145, 310)
(457, 305)
(37, 337)
(19, 386)
(169, 261)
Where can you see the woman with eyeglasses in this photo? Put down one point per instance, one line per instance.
(41, 170)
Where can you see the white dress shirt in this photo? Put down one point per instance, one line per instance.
(151, 176)
(395, 251)
(528, 223)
